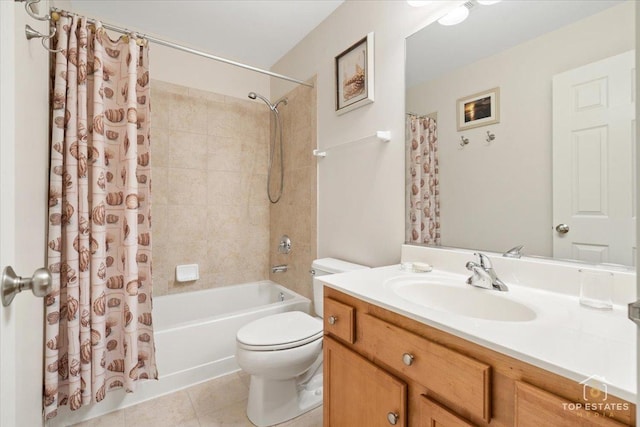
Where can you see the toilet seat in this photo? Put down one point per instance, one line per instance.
(279, 332)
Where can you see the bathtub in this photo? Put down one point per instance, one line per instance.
(195, 337)
(196, 331)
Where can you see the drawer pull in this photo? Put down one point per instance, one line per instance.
(407, 359)
(333, 320)
(392, 417)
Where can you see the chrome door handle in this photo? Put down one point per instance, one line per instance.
(40, 283)
(333, 320)
(562, 228)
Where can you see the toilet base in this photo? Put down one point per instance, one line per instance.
(276, 401)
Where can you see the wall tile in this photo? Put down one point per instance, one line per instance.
(187, 150)
(295, 214)
(212, 207)
(187, 187)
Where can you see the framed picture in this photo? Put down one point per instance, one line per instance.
(480, 109)
(354, 76)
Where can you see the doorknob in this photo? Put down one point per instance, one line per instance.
(12, 284)
(562, 228)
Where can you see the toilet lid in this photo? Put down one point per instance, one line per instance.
(284, 328)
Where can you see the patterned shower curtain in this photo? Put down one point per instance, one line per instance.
(423, 195)
(99, 333)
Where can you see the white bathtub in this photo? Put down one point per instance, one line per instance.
(195, 336)
(196, 331)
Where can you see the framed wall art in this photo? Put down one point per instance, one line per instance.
(479, 109)
(354, 76)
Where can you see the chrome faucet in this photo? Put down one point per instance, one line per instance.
(484, 275)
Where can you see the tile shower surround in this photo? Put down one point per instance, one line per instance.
(210, 159)
(295, 213)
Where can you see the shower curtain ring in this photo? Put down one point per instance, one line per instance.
(27, 7)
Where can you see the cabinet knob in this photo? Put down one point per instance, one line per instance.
(407, 359)
(392, 417)
(333, 320)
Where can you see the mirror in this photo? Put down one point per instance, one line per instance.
(531, 104)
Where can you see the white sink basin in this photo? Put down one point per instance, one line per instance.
(447, 294)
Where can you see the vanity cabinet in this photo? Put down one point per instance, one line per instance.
(433, 414)
(381, 369)
(359, 393)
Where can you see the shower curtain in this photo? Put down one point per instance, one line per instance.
(99, 332)
(423, 195)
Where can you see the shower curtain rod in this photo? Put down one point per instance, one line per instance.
(180, 47)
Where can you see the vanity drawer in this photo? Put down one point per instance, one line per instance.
(433, 414)
(450, 377)
(339, 320)
(535, 407)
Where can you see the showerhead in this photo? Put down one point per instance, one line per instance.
(253, 95)
(273, 107)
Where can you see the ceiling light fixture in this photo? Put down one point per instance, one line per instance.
(418, 3)
(488, 2)
(454, 17)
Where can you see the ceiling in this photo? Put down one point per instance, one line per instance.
(255, 32)
(489, 30)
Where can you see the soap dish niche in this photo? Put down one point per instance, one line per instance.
(187, 273)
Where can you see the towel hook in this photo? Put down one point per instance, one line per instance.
(27, 7)
(33, 34)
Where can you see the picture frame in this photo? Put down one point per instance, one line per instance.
(479, 109)
(355, 76)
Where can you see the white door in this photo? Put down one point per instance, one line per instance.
(23, 204)
(7, 380)
(594, 162)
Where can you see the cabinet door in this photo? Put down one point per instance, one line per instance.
(358, 393)
(536, 407)
(434, 415)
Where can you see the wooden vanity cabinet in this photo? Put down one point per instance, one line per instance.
(382, 368)
(359, 393)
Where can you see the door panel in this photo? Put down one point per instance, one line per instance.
(593, 161)
(7, 379)
(23, 189)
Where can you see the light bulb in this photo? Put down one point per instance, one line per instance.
(454, 17)
(418, 3)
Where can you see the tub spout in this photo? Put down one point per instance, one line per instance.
(282, 268)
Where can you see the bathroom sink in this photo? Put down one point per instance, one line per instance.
(450, 295)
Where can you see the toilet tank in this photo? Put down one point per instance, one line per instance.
(322, 267)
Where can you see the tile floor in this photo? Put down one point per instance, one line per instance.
(219, 402)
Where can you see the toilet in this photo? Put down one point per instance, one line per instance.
(283, 355)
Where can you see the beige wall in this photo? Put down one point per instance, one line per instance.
(361, 187)
(508, 182)
(295, 213)
(209, 204)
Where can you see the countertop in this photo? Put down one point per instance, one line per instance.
(564, 338)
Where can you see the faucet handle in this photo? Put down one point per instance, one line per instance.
(515, 252)
(485, 262)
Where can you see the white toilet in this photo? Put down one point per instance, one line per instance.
(283, 355)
